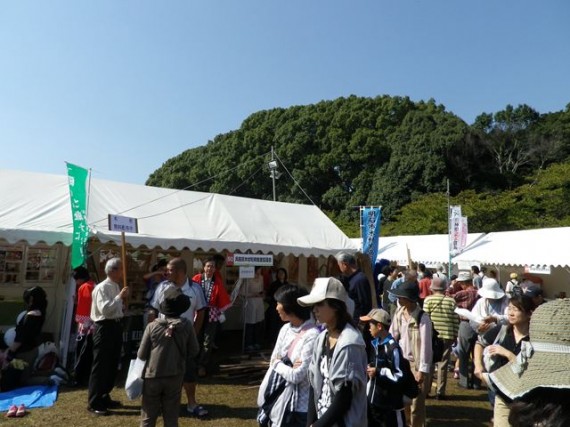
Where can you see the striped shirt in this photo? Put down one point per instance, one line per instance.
(442, 312)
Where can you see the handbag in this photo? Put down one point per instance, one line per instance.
(135, 380)
(272, 390)
(273, 385)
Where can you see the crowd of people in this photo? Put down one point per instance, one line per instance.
(183, 318)
(344, 354)
(377, 369)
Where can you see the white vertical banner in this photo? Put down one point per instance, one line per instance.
(464, 232)
(454, 230)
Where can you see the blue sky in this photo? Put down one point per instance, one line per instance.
(121, 86)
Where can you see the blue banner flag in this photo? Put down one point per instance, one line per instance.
(370, 220)
(78, 196)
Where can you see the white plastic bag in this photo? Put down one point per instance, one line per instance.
(134, 383)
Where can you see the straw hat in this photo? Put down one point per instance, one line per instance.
(545, 360)
(491, 289)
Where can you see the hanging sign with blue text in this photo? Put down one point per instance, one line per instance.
(370, 219)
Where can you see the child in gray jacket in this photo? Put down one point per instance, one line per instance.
(166, 346)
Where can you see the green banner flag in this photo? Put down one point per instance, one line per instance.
(78, 197)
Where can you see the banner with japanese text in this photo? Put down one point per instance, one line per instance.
(455, 227)
(78, 196)
(464, 232)
(370, 228)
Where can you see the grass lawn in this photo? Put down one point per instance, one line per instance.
(230, 395)
(233, 405)
(229, 405)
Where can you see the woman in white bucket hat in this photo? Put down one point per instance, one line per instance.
(489, 310)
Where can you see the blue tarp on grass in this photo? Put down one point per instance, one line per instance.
(36, 396)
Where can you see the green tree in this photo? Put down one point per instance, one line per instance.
(418, 161)
(506, 135)
(544, 201)
(388, 151)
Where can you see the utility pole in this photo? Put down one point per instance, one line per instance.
(273, 170)
(448, 232)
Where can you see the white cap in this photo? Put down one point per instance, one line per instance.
(323, 288)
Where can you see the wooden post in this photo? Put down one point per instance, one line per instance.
(124, 258)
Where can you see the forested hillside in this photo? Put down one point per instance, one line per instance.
(509, 169)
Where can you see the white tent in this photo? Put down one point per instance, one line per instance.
(541, 247)
(35, 207)
(542, 253)
(36, 231)
(431, 249)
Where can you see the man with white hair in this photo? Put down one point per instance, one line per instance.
(107, 313)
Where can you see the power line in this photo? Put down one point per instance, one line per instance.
(245, 180)
(196, 201)
(294, 180)
(183, 189)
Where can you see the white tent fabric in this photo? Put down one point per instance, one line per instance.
(545, 246)
(428, 249)
(35, 207)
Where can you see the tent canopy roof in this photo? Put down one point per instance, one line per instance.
(544, 246)
(540, 247)
(428, 249)
(35, 207)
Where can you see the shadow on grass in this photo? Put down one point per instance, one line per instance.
(466, 398)
(223, 411)
(72, 389)
(456, 414)
(463, 422)
(127, 410)
(465, 408)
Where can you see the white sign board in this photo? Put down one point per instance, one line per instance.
(123, 224)
(247, 272)
(233, 259)
(537, 269)
(466, 265)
